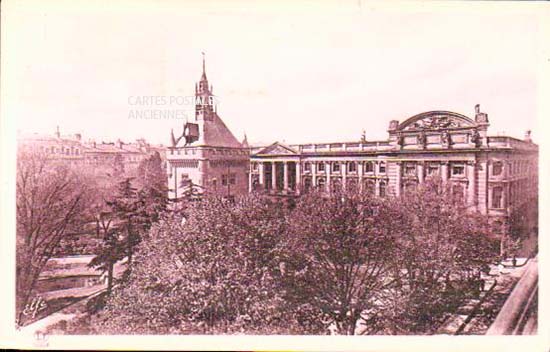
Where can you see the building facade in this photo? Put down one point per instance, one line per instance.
(206, 156)
(495, 175)
(97, 156)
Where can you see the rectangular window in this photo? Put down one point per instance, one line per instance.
(224, 180)
(232, 179)
(307, 166)
(458, 169)
(321, 166)
(255, 166)
(382, 167)
(369, 166)
(352, 167)
(410, 169)
(336, 167)
(432, 169)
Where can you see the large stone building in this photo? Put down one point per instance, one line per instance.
(206, 156)
(495, 175)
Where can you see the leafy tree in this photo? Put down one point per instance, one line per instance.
(50, 200)
(443, 249)
(339, 252)
(213, 272)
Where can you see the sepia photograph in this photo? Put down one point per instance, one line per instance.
(273, 174)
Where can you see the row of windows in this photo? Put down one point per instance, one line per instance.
(61, 150)
(226, 179)
(186, 151)
(433, 169)
(409, 168)
(336, 185)
(368, 166)
(515, 167)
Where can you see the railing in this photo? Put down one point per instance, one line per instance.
(510, 142)
(518, 314)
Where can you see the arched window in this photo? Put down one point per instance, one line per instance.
(321, 183)
(369, 186)
(307, 184)
(382, 189)
(497, 168)
(457, 192)
(497, 198)
(336, 184)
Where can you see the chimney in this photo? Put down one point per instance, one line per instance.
(57, 133)
(119, 144)
(78, 137)
(528, 136)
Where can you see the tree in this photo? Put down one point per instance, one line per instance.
(50, 201)
(151, 172)
(339, 251)
(117, 167)
(153, 192)
(121, 225)
(214, 272)
(443, 248)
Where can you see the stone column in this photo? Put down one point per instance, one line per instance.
(344, 175)
(262, 175)
(327, 172)
(398, 179)
(471, 173)
(445, 171)
(420, 168)
(360, 174)
(285, 175)
(298, 179)
(274, 175)
(314, 174)
(250, 178)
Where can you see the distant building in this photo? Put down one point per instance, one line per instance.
(71, 150)
(207, 156)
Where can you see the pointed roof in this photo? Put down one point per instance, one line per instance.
(203, 76)
(244, 143)
(216, 133)
(277, 149)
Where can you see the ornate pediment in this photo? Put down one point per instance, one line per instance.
(277, 149)
(436, 120)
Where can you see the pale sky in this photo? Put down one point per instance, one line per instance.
(293, 73)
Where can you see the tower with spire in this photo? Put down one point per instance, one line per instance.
(204, 99)
(206, 154)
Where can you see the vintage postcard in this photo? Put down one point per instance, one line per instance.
(238, 175)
